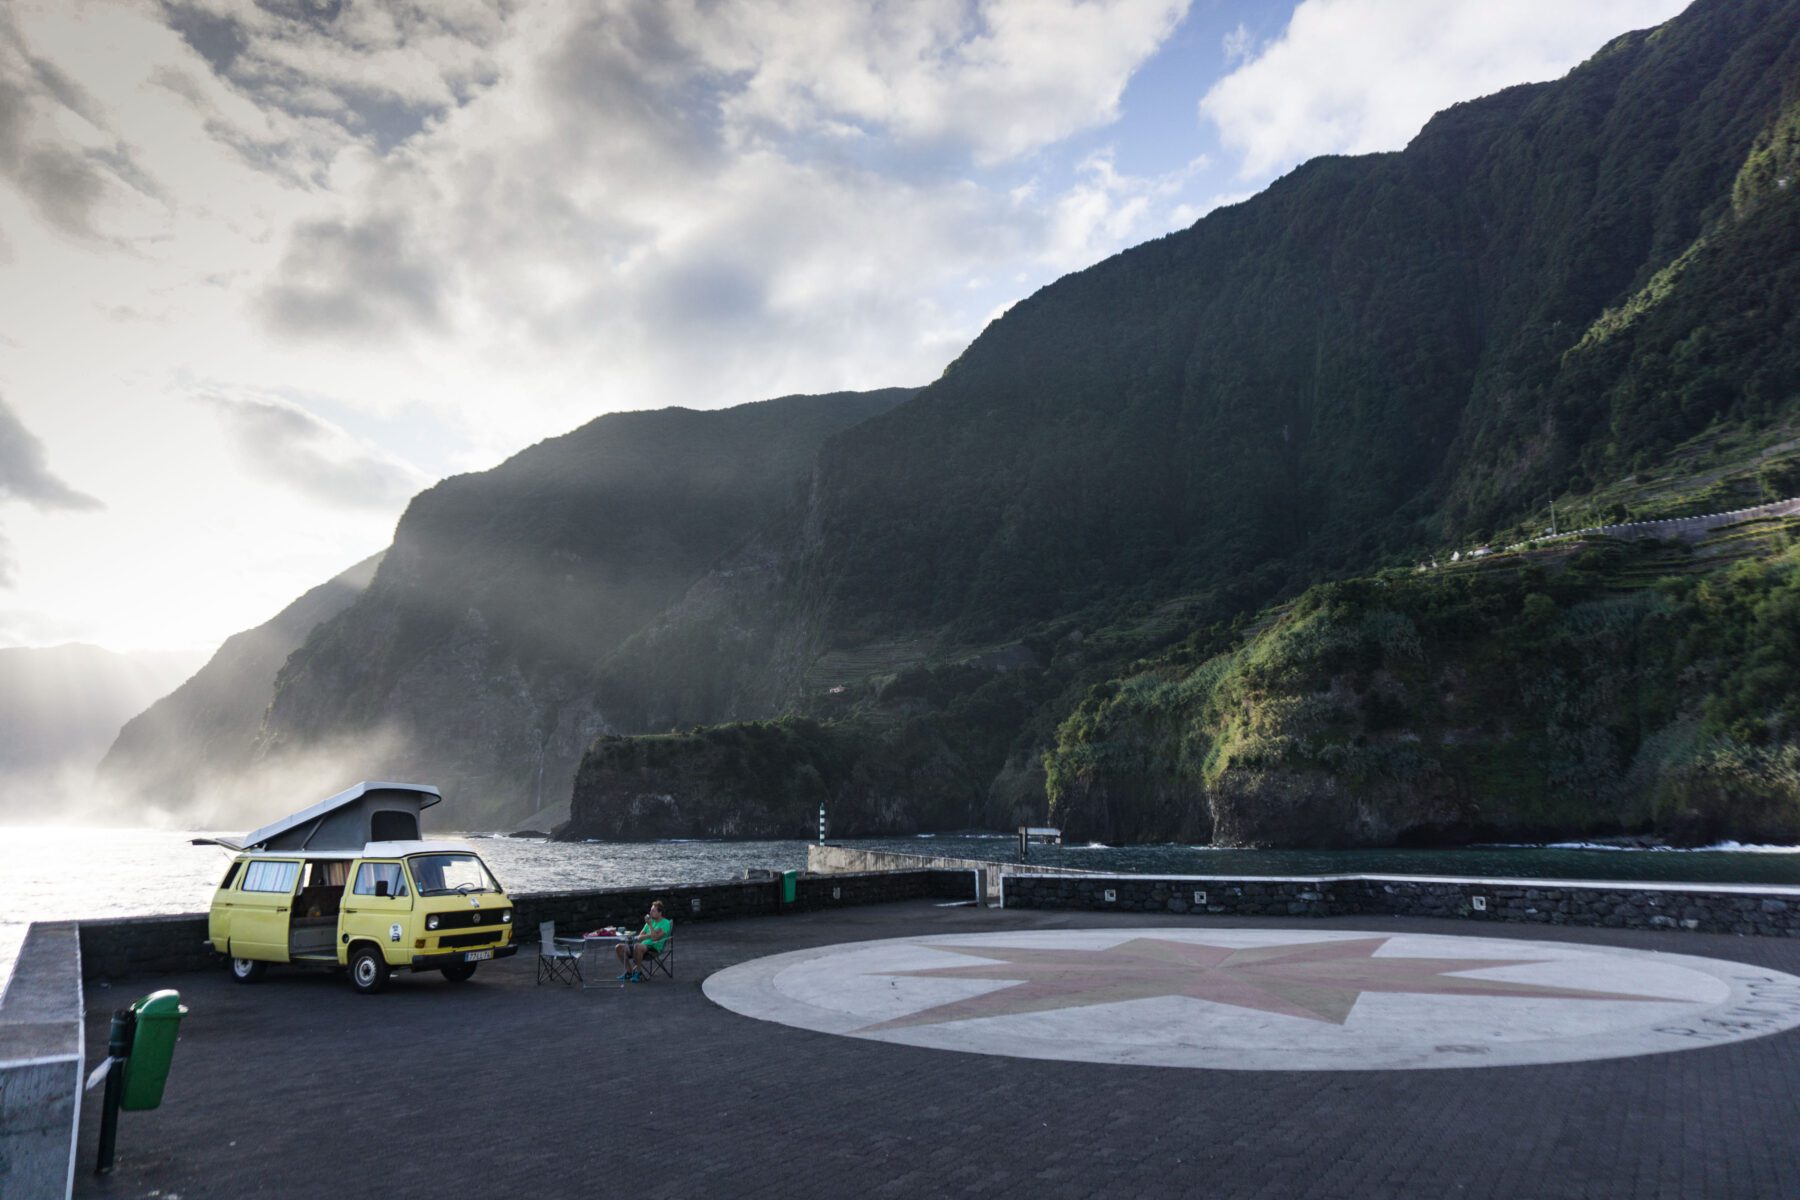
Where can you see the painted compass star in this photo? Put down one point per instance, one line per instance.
(1316, 981)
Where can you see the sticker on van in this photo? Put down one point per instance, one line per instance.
(394, 932)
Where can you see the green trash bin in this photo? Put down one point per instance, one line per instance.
(152, 1049)
(790, 886)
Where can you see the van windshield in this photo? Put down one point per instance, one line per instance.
(439, 873)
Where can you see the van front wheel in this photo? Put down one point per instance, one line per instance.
(368, 971)
(247, 970)
(460, 972)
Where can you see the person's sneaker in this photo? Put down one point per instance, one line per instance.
(626, 975)
(637, 977)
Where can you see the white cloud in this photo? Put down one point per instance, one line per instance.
(1106, 209)
(321, 460)
(26, 476)
(1238, 44)
(1355, 76)
(475, 225)
(659, 198)
(1002, 77)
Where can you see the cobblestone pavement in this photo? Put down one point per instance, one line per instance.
(299, 1087)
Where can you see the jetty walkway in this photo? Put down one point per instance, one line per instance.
(297, 1086)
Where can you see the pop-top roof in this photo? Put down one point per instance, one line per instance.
(425, 795)
(402, 849)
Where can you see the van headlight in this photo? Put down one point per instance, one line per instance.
(431, 922)
(506, 917)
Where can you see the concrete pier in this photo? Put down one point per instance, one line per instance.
(41, 1053)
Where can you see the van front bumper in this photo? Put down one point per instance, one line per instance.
(454, 958)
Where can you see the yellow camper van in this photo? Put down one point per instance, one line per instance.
(349, 883)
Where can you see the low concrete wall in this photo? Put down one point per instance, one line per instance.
(734, 898)
(41, 1052)
(1746, 909)
(119, 946)
(125, 946)
(831, 860)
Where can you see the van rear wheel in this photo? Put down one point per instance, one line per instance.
(459, 972)
(247, 970)
(368, 970)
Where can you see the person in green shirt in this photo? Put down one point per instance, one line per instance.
(650, 940)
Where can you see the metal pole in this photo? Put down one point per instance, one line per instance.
(821, 822)
(118, 1049)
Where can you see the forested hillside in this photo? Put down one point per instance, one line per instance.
(1545, 296)
(1134, 554)
(1546, 287)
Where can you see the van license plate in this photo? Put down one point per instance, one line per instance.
(477, 955)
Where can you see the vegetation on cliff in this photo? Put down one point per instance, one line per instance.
(1614, 687)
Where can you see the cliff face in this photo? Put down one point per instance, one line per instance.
(185, 753)
(767, 779)
(471, 659)
(1550, 291)
(1545, 287)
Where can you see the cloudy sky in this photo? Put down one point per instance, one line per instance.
(266, 269)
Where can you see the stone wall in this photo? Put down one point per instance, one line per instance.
(829, 859)
(1766, 911)
(124, 946)
(1182, 894)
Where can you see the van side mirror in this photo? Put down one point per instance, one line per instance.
(381, 887)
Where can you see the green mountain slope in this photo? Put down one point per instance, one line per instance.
(1548, 294)
(1374, 352)
(1581, 688)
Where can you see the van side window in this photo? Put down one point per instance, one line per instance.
(230, 874)
(368, 873)
(270, 876)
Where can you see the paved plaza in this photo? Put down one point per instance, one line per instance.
(917, 1050)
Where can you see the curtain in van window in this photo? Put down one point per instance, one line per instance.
(270, 876)
(329, 872)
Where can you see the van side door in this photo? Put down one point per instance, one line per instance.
(261, 908)
(378, 908)
(224, 903)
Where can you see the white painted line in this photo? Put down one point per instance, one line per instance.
(47, 1060)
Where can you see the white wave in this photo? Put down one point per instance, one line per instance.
(1725, 847)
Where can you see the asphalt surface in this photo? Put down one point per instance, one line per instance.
(297, 1086)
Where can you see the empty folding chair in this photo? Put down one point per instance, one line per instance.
(560, 961)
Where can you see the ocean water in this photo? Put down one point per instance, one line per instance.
(53, 873)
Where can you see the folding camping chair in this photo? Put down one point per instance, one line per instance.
(560, 961)
(665, 962)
